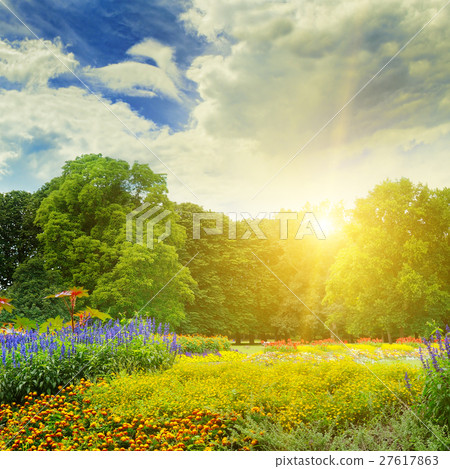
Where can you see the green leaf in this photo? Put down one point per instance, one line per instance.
(53, 324)
(23, 323)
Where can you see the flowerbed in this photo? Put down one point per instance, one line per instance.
(289, 393)
(363, 351)
(69, 422)
(40, 362)
(226, 400)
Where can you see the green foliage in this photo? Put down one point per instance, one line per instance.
(23, 323)
(18, 234)
(31, 283)
(5, 304)
(52, 324)
(141, 275)
(391, 276)
(436, 405)
(138, 358)
(46, 372)
(437, 397)
(390, 432)
(208, 312)
(84, 238)
(92, 314)
(202, 344)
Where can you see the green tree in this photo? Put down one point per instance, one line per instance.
(31, 283)
(83, 222)
(18, 233)
(208, 313)
(392, 278)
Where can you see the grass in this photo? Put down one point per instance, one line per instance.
(248, 349)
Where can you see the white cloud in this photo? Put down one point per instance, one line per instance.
(135, 79)
(50, 126)
(280, 71)
(160, 53)
(33, 62)
(271, 76)
(5, 158)
(139, 79)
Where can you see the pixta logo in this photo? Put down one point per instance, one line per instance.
(150, 216)
(139, 216)
(309, 225)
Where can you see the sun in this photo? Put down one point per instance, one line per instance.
(327, 225)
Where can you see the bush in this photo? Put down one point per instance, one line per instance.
(188, 344)
(437, 383)
(391, 432)
(33, 362)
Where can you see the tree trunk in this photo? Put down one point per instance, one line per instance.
(251, 339)
(389, 337)
(238, 339)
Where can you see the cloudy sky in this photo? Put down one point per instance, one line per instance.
(234, 99)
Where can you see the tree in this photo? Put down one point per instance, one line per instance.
(208, 313)
(392, 276)
(83, 223)
(18, 234)
(31, 283)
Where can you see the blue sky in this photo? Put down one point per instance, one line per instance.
(223, 94)
(99, 33)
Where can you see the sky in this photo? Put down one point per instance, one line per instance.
(247, 105)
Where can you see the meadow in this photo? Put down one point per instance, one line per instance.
(153, 390)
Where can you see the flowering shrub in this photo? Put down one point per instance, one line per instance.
(437, 384)
(224, 356)
(202, 344)
(398, 347)
(335, 351)
(32, 361)
(330, 340)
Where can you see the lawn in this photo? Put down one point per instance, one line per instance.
(248, 349)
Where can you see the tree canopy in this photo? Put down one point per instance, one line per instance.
(382, 271)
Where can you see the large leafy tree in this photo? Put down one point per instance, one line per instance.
(208, 313)
(18, 233)
(31, 283)
(392, 277)
(83, 223)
